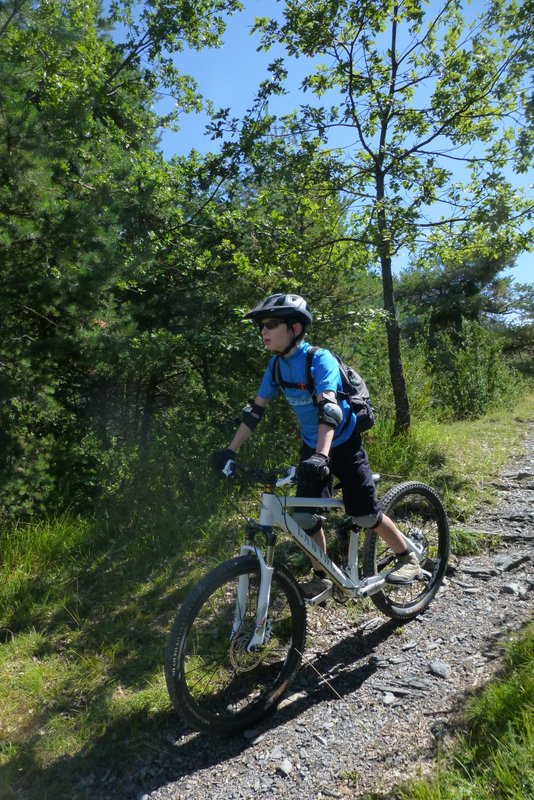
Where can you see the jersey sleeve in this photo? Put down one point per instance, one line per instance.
(325, 371)
(268, 387)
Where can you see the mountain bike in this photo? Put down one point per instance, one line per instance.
(239, 635)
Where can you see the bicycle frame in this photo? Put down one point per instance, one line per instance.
(275, 511)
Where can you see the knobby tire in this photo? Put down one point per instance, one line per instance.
(418, 512)
(214, 683)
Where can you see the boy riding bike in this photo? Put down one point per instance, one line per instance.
(331, 441)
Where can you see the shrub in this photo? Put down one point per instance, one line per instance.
(470, 374)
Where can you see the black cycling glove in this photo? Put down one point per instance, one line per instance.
(223, 461)
(315, 468)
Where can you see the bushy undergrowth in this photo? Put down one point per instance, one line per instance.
(470, 375)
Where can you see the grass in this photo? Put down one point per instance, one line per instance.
(459, 459)
(84, 616)
(86, 606)
(494, 759)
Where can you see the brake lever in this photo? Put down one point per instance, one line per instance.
(289, 478)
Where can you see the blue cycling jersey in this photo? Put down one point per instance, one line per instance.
(326, 378)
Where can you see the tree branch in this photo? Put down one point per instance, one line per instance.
(452, 119)
(17, 7)
(144, 43)
(356, 119)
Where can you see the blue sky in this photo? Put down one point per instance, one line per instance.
(230, 76)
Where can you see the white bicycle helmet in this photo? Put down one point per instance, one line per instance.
(289, 307)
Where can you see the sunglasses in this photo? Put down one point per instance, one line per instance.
(270, 324)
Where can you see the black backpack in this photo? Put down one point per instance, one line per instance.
(354, 390)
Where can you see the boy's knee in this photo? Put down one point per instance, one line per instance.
(311, 523)
(369, 520)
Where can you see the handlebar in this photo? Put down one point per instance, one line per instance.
(286, 476)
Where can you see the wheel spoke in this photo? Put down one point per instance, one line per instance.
(418, 513)
(212, 677)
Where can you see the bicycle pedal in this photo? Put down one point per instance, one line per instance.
(424, 576)
(320, 599)
(310, 601)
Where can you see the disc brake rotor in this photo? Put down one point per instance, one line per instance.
(241, 658)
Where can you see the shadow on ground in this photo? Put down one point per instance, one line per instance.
(122, 765)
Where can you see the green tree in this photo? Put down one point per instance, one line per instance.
(441, 293)
(419, 89)
(78, 155)
(518, 334)
(222, 239)
(124, 276)
(470, 375)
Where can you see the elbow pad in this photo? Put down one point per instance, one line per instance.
(252, 414)
(329, 413)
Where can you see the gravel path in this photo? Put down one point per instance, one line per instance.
(369, 706)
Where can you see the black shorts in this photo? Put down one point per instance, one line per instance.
(348, 463)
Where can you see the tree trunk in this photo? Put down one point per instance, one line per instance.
(148, 413)
(396, 371)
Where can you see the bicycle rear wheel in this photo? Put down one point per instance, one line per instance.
(418, 513)
(214, 683)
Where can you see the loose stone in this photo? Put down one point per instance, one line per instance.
(511, 588)
(509, 563)
(439, 668)
(285, 767)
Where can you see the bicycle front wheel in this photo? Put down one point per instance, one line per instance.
(419, 514)
(214, 682)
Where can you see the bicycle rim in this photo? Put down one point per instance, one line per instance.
(214, 682)
(418, 513)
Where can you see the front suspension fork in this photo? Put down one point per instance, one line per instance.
(266, 576)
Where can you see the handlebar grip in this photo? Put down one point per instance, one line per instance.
(230, 468)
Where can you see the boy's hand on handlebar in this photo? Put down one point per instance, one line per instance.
(224, 461)
(315, 468)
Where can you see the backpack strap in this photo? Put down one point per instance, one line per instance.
(309, 377)
(309, 385)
